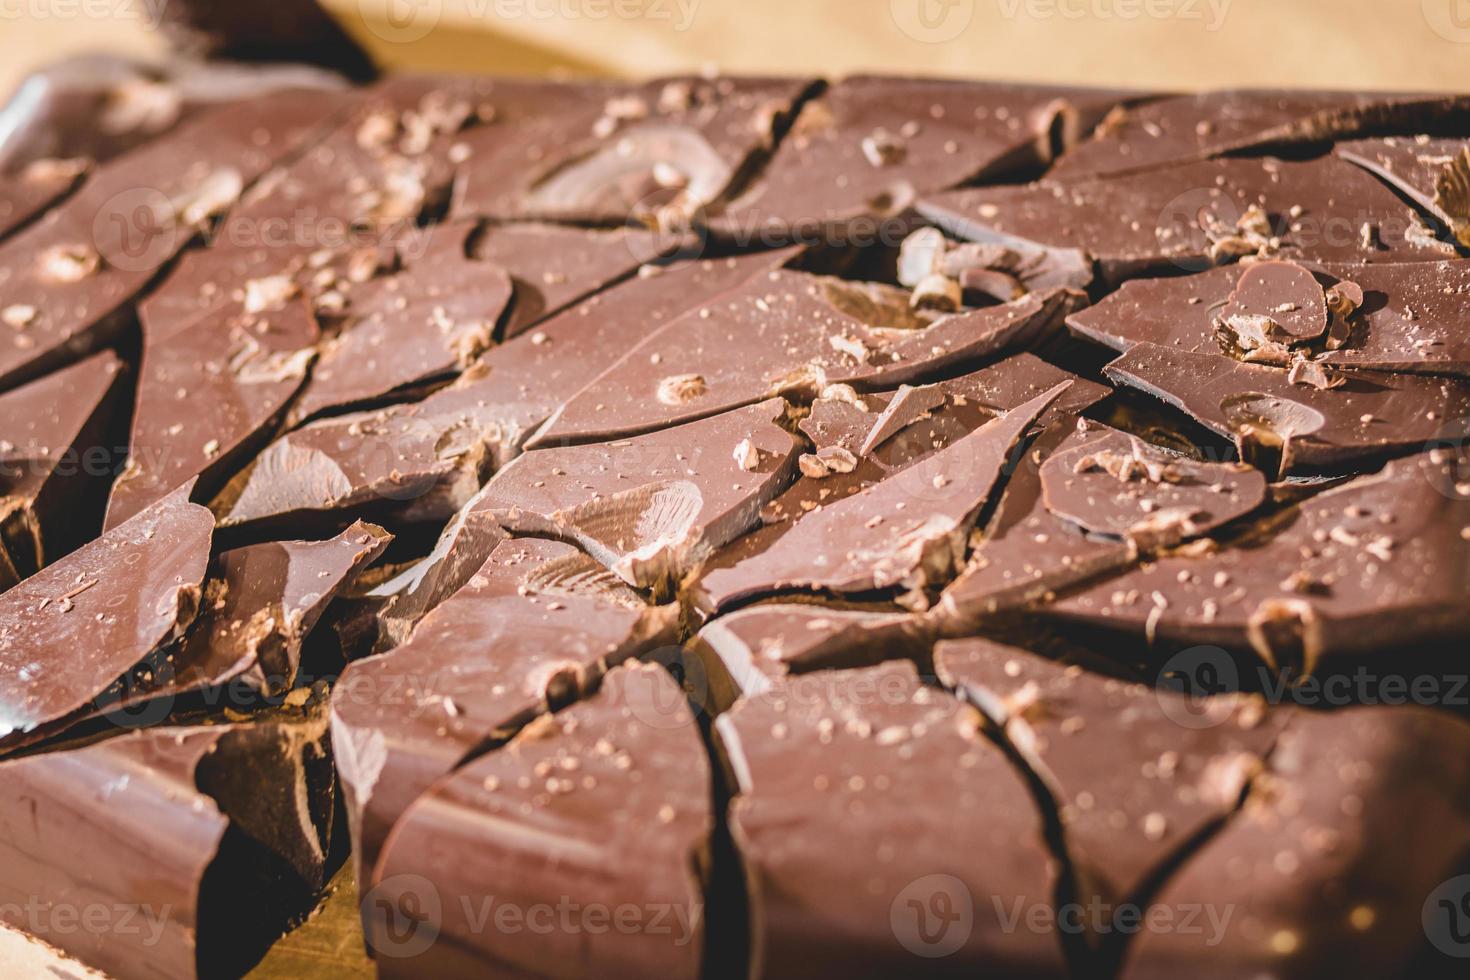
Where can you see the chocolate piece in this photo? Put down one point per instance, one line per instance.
(532, 631)
(907, 406)
(553, 267)
(285, 30)
(1193, 127)
(80, 265)
(1191, 216)
(1322, 878)
(50, 456)
(909, 532)
(864, 150)
(206, 397)
(419, 326)
(169, 830)
(533, 824)
(654, 507)
(1434, 173)
(1176, 766)
(1119, 486)
(28, 194)
(1379, 562)
(1371, 415)
(655, 154)
(72, 629)
(789, 333)
(824, 779)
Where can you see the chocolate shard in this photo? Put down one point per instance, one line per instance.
(173, 827)
(1316, 866)
(655, 154)
(1177, 766)
(553, 266)
(790, 333)
(1433, 173)
(79, 267)
(806, 766)
(208, 396)
(1185, 128)
(425, 324)
(908, 405)
(840, 421)
(51, 452)
(607, 803)
(892, 139)
(75, 627)
(287, 30)
(27, 195)
(532, 631)
(1192, 217)
(908, 533)
(654, 507)
(1118, 486)
(1270, 418)
(1376, 563)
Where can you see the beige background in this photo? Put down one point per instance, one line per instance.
(1174, 43)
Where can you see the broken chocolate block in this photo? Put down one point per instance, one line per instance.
(654, 507)
(790, 333)
(1377, 563)
(1274, 420)
(533, 630)
(1433, 173)
(1192, 217)
(823, 779)
(52, 458)
(168, 831)
(72, 629)
(1316, 868)
(601, 810)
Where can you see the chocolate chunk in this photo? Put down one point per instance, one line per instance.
(1275, 302)
(864, 150)
(1433, 173)
(824, 779)
(1371, 415)
(532, 825)
(169, 830)
(42, 184)
(286, 30)
(655, 154)
(1117, 485)
(553, 266)
(788, 333)
(532, 631)
(80, 265)
(909, 532)
(51, 456)
(653, 507)
(1376, 563)
(422, 325)
(907, 406)
(1177, 766)
(1194, 127)
(1316, 867)
(1191, 216)
(75, 627)
(206, 397)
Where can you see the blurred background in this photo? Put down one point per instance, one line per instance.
(1184, 44)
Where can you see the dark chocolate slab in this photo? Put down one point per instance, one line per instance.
(825, 780)
(791, 332)
(603, 809)
(1258, 406)
(1434, 173)
(653, 507)
(75, 627)
(1317, 867)
(1377, 563)
(532, 631)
